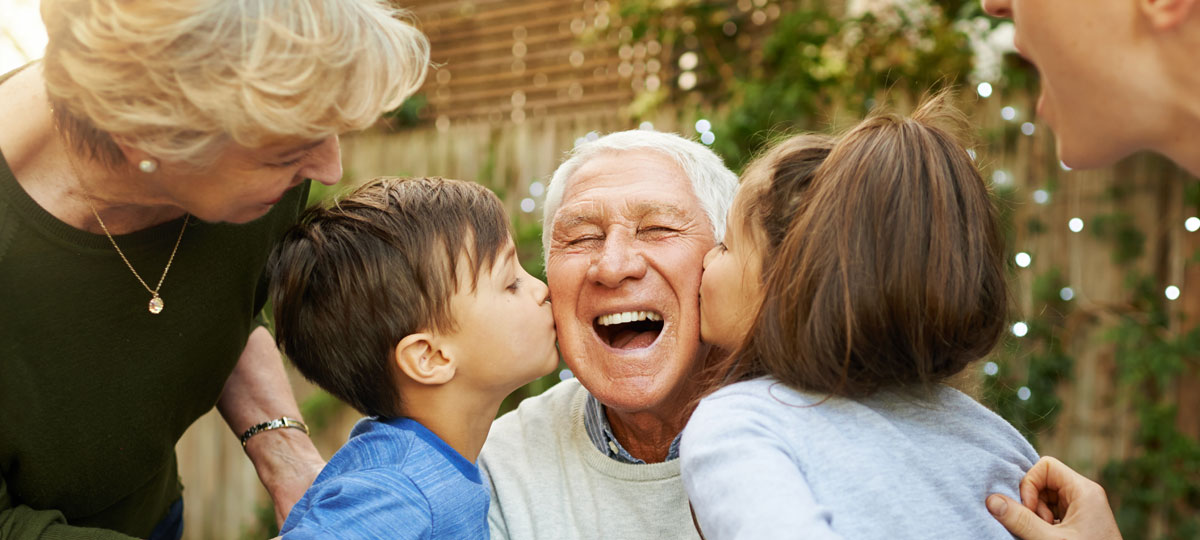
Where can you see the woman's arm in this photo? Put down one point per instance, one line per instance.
(257, 391)
(20, 522)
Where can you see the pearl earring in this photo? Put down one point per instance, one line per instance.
(148, 165)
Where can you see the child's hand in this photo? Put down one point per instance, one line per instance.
(1052, 491)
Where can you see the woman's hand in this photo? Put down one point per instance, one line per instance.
(286, 463)
(1059, 504)
(257, 391)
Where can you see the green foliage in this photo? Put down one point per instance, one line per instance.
(408, 114)
(811, 61)
(1118, 228)
(1162, 479)
(1038, 361)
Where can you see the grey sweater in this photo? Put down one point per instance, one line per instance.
(761, 460)
(549, 482)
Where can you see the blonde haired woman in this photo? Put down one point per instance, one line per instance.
(146, 166)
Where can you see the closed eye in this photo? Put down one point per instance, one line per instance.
(516, 284)
(582, 239)
(286, 164)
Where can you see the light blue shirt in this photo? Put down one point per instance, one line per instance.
(393, 479)
(600, 432)
(762, 460)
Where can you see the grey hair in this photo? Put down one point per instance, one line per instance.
(712, 182)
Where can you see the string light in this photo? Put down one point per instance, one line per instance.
(527, 205)
(688, 61)
(1023, 259)
(565, 374)
(537, 189)
(703, 125)
(1001, 178)
(1019, 329)
(1008, 113)
(1041, 196)
(1064, 165)
(984, 89)
(1024, 393)
(1192, 224)
(1027, 128)
(1066, 293)
(991, 368)
(708, 137)
(1172, 292)
(1075, 224)
(687, 80)
(646, 126)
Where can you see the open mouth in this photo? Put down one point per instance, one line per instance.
(629, 329)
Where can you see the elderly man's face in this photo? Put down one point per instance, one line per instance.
(624, 271)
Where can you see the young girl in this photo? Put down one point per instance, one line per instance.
(856, 276)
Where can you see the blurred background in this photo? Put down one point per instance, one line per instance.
(1100, 367)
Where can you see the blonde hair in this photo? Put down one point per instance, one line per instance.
(182, 79)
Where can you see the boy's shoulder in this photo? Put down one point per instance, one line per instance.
(393, 473)
(402, 446)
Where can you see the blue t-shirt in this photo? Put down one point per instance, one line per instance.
(393, 479)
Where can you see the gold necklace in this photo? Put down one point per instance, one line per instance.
(156, 301)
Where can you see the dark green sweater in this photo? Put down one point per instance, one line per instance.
(94, 390)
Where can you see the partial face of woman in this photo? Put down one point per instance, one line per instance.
(731, 288)
(1086, 53)
(243, 183)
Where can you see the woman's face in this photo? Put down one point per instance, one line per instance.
(244, 183)
(731, 288)
(1090, 67)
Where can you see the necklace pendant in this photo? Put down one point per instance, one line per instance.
(156, 305)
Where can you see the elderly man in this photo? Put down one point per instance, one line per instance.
(628, 219)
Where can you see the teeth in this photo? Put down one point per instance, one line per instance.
(627, 317)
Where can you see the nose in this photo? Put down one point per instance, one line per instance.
(324, 164)
(998, 8)
(540, 291)
(616, 261)
(712, 254)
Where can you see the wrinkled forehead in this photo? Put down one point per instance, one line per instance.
(594, 212)
(631, 185)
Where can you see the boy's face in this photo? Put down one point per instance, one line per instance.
(505, 335)
(731, 288)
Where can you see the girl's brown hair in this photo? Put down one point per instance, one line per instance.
(886, 263)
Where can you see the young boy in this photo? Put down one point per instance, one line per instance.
(405, 299)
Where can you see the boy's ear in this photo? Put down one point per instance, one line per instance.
(1167, 14)
(422, 360)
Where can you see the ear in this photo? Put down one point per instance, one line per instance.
(132, 154)
(420, 358)
(1167, 14)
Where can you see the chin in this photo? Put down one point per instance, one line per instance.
(1088, 155)
(247, 215)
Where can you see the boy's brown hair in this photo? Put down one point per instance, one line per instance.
(353, 279)
(887, 265)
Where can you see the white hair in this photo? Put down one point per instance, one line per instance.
(712, 182)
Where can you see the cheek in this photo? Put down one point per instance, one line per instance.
(719, 276)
